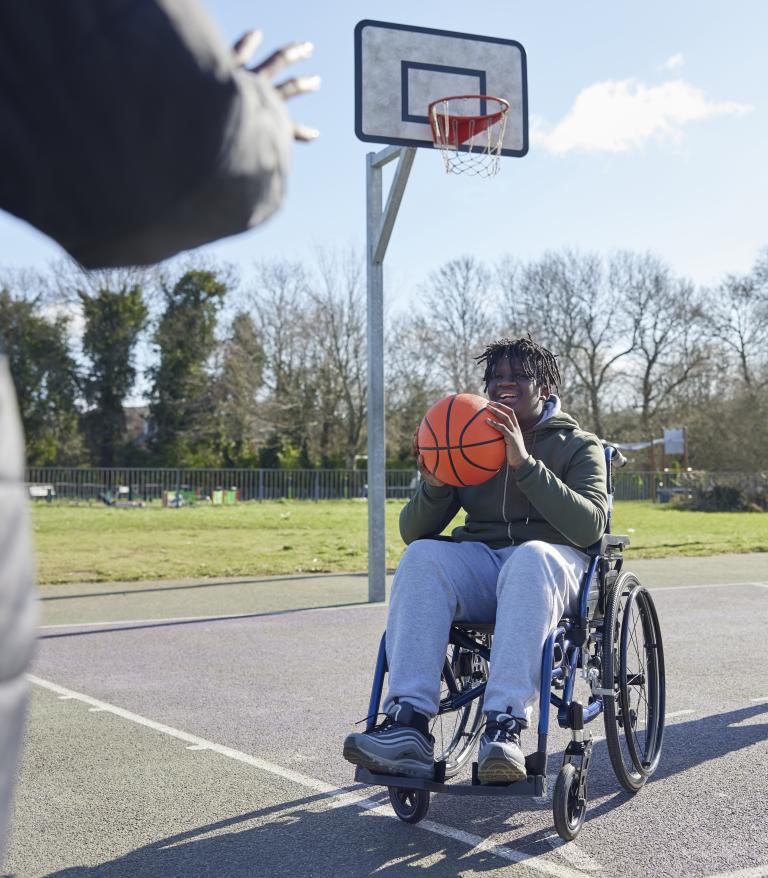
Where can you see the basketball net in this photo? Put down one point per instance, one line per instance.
(469, 141)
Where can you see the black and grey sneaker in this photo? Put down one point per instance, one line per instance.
(399, 745)
(500, 759)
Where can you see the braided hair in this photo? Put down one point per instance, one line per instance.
(536, 361)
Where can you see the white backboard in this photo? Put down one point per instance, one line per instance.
(400, 69)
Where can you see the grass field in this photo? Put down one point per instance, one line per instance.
(91, 543)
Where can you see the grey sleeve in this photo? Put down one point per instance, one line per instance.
(129, 134)
(17, 605)
(428, 512)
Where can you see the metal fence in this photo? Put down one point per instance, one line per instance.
(252, 484)
(272, 484)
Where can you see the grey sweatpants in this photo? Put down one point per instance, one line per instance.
(526, 589)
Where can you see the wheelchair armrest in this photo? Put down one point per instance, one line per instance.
(608, 542)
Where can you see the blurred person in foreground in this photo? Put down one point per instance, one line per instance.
(130, 132)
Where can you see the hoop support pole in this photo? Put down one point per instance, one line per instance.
(378, 232)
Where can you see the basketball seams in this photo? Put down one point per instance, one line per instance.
(466, 445)
(447, 437)
(462, 446)
(463, 411)
(437, 444)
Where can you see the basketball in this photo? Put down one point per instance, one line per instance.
(457, 445)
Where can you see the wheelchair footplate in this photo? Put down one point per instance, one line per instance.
(535, 785)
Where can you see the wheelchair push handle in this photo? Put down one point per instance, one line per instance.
(613, 457)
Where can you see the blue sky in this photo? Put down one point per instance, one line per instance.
(649, 132)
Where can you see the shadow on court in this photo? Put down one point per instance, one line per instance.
(304, 838)
(296, 840)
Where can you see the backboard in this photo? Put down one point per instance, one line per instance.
(400, 69)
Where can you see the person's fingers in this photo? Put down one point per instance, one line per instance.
(280, 59)
(502, 428)
(246, 46)
(503, 417)
(428, 477)
(299, 85)
(304, 134)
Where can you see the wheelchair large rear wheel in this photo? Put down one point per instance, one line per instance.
(456, 730)
(633, 669)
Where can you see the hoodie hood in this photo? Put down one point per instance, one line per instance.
(553, 417)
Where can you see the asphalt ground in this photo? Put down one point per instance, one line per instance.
(191, 729)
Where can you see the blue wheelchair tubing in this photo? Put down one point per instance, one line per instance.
(570, 634)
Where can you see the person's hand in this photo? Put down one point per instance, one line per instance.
(504, 420)
(277, 61)
(421, 466)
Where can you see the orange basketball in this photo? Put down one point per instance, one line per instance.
(457, 445)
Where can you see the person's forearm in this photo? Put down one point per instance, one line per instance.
(580, 516)
(428, 512)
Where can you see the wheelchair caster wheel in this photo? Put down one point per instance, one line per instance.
(409, 805)
(568, 811)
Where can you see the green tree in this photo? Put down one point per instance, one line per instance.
(45, 377)
(182, 395)
(114, 320)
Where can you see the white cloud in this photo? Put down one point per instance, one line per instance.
(619, 116)
(673, 62)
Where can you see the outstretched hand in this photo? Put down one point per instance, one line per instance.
(274, 64)
(421, 466)
(504, 420)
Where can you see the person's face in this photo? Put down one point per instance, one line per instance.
(510, 386)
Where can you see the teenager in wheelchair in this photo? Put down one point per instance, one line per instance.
(525, 598)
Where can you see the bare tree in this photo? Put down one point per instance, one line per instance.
(572, 303)
(459, 300)
(670, 343)
(337, 318)
(277, 302)
(237, 390)
(413, 381)
(737, 318)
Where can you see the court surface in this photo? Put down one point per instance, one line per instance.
(195, 729)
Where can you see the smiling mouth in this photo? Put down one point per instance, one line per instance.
(505, 397)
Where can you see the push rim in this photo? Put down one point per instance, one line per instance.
(641, 681)
(621, 760)
(622, 727)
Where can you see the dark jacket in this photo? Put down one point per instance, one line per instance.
(558, 495)
(128, 134)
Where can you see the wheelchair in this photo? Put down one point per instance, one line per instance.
(613, 643)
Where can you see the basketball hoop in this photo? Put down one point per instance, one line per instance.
(469, 132)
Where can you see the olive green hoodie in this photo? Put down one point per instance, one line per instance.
(557, 495)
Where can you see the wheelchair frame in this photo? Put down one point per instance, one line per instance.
(566, 650)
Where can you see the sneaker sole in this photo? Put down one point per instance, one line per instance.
(380, 765)
(500, 771)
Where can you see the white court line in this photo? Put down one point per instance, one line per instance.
(760, 698)
(254, 614)
(653, 588)
(578, 858)
(364, 606)
(339, 798)
(749, 872)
